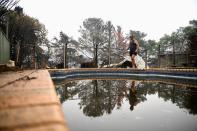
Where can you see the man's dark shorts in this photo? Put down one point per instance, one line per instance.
(131, 53)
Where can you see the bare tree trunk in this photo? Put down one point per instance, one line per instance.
(95, 46)
(34, 54)
(174, 62)
(17, 51)
(109, 45)
(146, 62)
(7, 27)
(66, 49)
(96, 55)
(159, 58)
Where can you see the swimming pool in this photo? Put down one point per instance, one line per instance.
(106, 105)
(121, 99)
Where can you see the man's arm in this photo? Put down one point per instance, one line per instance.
(138, 46)
(129, 44)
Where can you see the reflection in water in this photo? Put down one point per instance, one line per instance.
(98, 98)
(133, 96)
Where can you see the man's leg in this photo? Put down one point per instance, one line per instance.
(133, 61)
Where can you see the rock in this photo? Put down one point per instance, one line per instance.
(10, 63)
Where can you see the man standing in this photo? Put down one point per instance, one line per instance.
(133, 49)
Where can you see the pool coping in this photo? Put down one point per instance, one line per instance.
(174, 76)
(28, 101)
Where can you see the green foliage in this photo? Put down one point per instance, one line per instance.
(92, 32)
(92, 35)
(27, 33)
(183, 39)
(176, 40)
(164, 42)
(67, 45)
(58, 44)
(64, 38)
(152, 47)
(193, 23)
(99, 38)
(191, 36)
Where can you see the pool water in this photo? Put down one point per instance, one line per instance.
(125, 105)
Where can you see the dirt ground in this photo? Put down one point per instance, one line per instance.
(4, 68)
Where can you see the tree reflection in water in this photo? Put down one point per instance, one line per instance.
(103, 96)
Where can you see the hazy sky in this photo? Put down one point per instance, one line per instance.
(154, 17)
